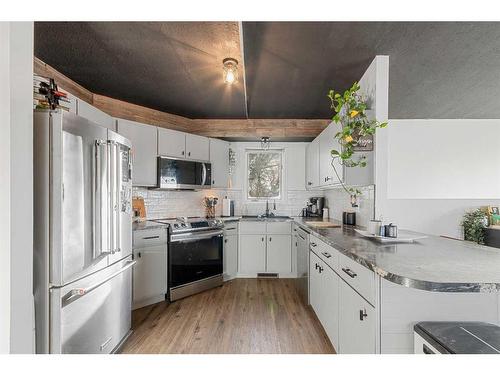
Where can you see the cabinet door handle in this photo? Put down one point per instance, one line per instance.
(189, 153)
(321, 269)
(316, 264)
(213, 182)
(150, 237)
(225, 240)
(327, 255)
(309, 183)
(270, 238)
(262, 239)
(313, 244)
(350, 272)
(182, 153)
(139, 255)
(327, 179)
(362, 314)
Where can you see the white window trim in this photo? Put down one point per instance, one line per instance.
(282, 198)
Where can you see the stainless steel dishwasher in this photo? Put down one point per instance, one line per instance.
(302, 263)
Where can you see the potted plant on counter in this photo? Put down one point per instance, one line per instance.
(474, 224)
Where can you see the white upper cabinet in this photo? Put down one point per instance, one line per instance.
(144, 139)
(219, 157)
(327, 143)
(171, 143)
(93, 114)
(177, 144)
(295, 167)
(197, 147)
(312, 164)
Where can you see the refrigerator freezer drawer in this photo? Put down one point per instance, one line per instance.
(93, 315)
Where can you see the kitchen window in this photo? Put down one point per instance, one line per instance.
(264, 174)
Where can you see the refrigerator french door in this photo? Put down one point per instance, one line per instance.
(82, 239)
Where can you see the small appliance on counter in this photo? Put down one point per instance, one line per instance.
(349, 218)
(227, 207)
(314, 207)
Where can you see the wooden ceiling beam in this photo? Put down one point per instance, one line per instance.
(251, 128)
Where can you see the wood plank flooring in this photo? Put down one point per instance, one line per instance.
(243, 316)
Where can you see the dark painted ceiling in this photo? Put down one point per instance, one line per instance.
(437, 70)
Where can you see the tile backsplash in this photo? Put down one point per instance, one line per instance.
(338, 200)
(165, 203)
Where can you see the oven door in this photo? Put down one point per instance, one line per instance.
(194, 257)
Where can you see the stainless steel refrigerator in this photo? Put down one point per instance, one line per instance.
(82, 236)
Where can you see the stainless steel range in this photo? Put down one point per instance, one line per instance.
(195, 255)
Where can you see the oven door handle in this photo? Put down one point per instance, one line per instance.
(189, 237)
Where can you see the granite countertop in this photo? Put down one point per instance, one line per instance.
(433, 263)
(148, 224)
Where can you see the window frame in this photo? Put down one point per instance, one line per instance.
(281, 197)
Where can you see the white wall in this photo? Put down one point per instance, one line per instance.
(444, 159)
(4, 189)
(435, 189)
(16, 223)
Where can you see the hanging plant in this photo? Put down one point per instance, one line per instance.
(356, 128)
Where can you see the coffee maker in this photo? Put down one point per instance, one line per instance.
(314, 207)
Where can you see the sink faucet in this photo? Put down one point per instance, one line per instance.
(267, 208)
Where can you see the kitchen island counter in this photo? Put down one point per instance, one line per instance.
(434, 263)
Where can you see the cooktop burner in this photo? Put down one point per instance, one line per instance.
(192, 224)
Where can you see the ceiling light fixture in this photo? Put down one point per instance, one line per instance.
(230, 70)
(265, 143)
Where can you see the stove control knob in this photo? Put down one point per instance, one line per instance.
(176, 225)
(183, 225)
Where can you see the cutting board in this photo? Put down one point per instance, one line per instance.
(322, 224)
(139, 208)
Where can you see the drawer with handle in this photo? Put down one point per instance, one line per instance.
(150, 237)
(327, 253)
(230, 228)
(359, 277)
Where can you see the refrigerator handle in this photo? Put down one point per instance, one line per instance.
(77, 293)
(118, 180)
(99, 232)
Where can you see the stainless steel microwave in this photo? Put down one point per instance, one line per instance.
(178, 174)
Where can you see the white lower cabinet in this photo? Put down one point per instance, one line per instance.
(252, 257)
(324, 297)
(265, 248)
(279, 253)
(357, 323)
(149, 276)
(230, 250)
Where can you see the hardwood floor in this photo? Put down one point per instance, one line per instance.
(242, 316)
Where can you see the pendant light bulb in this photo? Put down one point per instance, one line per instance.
(230, 70)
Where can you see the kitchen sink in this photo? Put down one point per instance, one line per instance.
(266, 218)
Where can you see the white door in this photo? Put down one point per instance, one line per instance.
(312, 164)
(219, 157)
(93, 114)
(252, 252)
(356, 324)
(315, 284)
(279, 253)
(230, 256)
(150, 276)
(330, 307)
(327, 143)
(144, 140)
(197, 147)
(171, 143)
